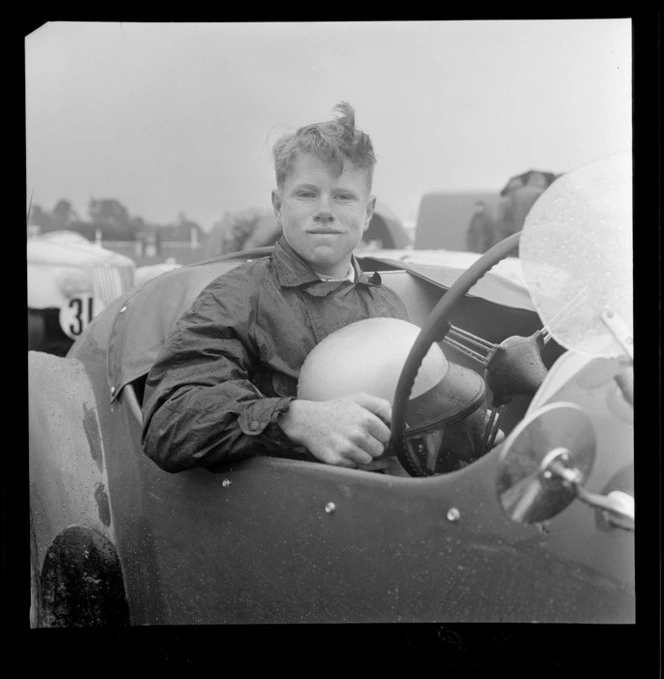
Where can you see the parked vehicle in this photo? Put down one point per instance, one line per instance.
(70, 281)
(538, 529)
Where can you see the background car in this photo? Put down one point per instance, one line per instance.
(70, 280)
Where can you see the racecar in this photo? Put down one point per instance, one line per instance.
(539, 528)
(70, 280)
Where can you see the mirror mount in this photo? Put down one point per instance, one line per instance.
(619, 510)
(619, 329)
(618, 507)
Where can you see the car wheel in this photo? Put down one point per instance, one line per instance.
(81, 583)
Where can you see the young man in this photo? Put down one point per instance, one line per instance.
(224, 386)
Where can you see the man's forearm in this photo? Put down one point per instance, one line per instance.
(194, 429)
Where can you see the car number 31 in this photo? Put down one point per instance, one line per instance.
(77, 315)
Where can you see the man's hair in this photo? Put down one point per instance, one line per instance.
(333, 142)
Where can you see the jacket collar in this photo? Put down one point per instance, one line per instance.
(293, 271)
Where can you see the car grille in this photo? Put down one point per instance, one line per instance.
(110, 281)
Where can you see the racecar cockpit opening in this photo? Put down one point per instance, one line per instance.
(454, 441)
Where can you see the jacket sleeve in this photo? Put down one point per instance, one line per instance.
(200, 406)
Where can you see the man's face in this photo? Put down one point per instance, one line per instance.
(323, 217)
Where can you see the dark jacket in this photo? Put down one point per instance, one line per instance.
(481, 234)
(230, 368)
(514, 208)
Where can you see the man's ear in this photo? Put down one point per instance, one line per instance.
(276, 205)
(371, 205)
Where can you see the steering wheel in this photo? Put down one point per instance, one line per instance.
(512, 367)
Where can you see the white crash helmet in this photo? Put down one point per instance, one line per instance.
(369, 355)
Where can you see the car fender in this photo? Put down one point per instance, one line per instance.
(68, 480)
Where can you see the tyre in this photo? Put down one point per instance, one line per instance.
(81, 583)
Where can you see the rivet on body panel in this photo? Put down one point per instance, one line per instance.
(330, 507)
(453, 514)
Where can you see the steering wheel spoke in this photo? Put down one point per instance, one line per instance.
(492, 428)
(470, 345)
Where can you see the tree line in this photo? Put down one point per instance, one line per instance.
(111, 219)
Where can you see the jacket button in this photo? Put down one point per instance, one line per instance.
(254, 425)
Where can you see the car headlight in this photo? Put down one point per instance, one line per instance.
(72, 283)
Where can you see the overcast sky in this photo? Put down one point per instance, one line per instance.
(173, 118)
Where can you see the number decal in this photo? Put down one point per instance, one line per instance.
(76, 316)
(78, 303)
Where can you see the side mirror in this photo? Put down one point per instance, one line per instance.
(544, 463)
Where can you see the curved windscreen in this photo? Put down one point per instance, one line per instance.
(576, 255)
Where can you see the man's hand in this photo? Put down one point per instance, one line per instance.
(346, 432)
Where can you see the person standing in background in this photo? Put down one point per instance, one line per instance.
(524, 197)
(503, 223)
(516, 204)
(481, 230)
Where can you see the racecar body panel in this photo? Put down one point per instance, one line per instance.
(284, 541)
(67, 465)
